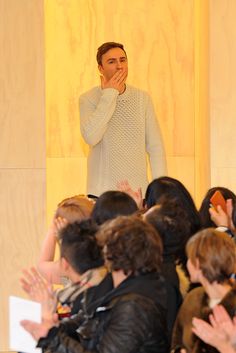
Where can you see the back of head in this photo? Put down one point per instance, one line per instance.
(112, 204)
(103, 49)
(131, 245)
(215, 252)
(205, 218)
(172, 223)
(75, 208)
(170, 188)
(78, 245)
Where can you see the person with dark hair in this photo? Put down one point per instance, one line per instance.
(131, 317)
(112, 204)
(81, 261)
(172, 224)
(119, 124)
(211, 217)
(171, 188)
(211, 261)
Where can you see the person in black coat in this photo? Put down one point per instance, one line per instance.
(129, 318)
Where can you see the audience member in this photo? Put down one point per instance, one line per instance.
(209, 216)
(112, 204)
(131, 317)
(171, 223)
(211, 261)
(80, 260)
(171, 188)
(72, 209)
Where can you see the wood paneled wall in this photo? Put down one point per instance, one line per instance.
(166, 56)
(22, 145)
(223, 92)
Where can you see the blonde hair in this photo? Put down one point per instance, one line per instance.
(75, 208)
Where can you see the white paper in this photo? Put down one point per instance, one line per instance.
(22, 309)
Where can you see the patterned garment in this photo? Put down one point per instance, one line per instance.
(120, 129)
(68, 295)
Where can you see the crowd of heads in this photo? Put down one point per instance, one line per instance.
(167, 224)
(112, 232)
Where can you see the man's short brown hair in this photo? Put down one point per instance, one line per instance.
(103, 49)
(216, 253)
(132, 245)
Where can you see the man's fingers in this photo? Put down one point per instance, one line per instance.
(119, 76)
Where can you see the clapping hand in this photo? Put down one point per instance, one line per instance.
(39, 290)
(124, 186)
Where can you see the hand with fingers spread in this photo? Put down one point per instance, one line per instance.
(220, 333)
(221, 319)
(39, 330)
(117, 81)
(60, 223)
(124, 186)
(39, 290)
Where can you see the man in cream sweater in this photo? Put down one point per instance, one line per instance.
(119, 124)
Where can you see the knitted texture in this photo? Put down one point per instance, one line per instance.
(120, 129)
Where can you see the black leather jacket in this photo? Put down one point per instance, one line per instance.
(130, 318)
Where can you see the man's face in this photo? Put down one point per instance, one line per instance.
(112, 61)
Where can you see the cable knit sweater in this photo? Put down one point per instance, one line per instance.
(120, 129)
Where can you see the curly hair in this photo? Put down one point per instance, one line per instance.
(131, 245)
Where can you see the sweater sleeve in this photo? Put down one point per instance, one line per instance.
(94, 118)
(154, 142)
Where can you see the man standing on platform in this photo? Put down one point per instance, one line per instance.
(119, 124)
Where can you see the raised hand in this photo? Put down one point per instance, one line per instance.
(39, 290)
(124, 186)
(220, 333)
(219, 217)
(117, 81)
(221, 319)
(60, 223)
